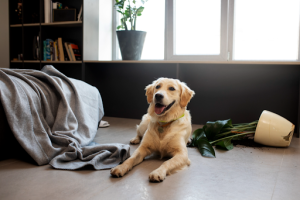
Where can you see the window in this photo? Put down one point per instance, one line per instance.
(266, 30)
(196, 30)
(197, 33)
(221, 30)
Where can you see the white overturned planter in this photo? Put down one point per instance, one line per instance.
(273, 130)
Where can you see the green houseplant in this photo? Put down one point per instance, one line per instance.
(131, 41)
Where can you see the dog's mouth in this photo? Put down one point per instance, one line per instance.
(160, 108)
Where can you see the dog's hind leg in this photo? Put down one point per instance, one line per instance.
(141, 129)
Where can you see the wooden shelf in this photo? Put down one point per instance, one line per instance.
(43, 61)
(31, 61)
(64, 62)
(32, 24)
(67, 23)
(16, 25)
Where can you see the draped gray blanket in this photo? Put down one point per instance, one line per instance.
(55, 119)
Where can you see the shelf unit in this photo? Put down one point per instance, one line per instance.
(32, 24)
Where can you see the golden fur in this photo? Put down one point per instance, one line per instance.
(172, 141)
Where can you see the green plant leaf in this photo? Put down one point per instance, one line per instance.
(120, 12)
(197, 133)
(139, 11)
(120, 4)
(195, 136)
(200, 141)
(225, 144)
(211, 129)
(205, 148)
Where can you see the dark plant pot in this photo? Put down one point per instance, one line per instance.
(131, 44)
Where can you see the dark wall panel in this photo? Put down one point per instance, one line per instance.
(237, 91)
(122, 86)
(241, 92)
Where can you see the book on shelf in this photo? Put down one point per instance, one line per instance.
(68, 50)
(65, 53)
(56, 54)
(48, 49)
(47, 11)
(76, 56)
(61, 50)
(80, 14)
(44, 50)
(51, 50)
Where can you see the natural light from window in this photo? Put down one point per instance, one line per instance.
(197, 29)
(266, 29)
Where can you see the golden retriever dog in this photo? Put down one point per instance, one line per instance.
(165, 129)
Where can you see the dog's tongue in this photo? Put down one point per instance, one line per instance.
(160, 109)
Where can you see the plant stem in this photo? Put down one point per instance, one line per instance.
(124, 22)
(232, 136)
(130, 16)
(134, 26)
(236, 130)
(239, 127)
(242, 124)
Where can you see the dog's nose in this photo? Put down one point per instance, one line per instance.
(159, 96)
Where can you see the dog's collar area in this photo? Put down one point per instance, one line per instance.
(164, 123)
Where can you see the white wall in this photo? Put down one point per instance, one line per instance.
(105, 29)
(4, 31)
(97, 17)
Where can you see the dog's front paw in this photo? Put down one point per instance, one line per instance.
(157, 176)
(135, 140)
(119, 170)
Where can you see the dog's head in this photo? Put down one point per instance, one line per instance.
(166, 94)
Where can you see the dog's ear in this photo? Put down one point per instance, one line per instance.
(149, 92)
(186, 95)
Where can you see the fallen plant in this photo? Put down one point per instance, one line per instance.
(219, 134)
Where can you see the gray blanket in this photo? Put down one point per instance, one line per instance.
(55, 119)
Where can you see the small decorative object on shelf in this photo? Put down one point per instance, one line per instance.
(36, 48)
(271, 130)
(59, 5)
(19, 11)
(20, 56)
(131, 41)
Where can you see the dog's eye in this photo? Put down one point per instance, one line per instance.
(157, 87)
(171, 88)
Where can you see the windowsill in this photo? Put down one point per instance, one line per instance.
(197, 62)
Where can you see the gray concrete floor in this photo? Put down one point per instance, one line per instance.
(242, 173)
